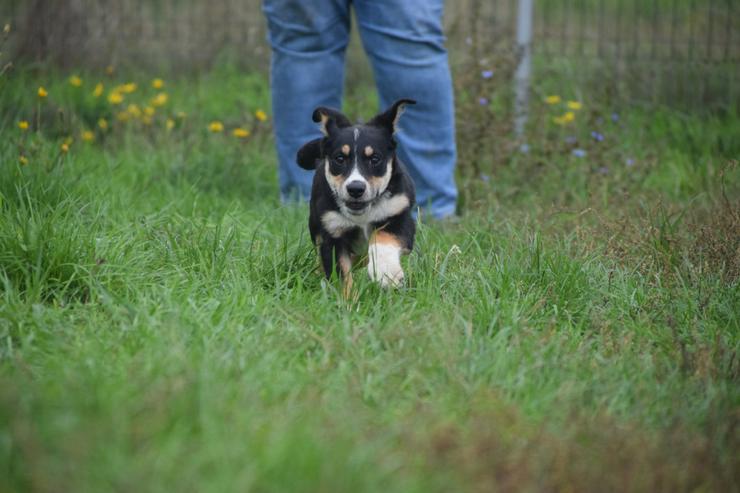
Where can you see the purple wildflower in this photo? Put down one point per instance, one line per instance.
(629, 162)
(615, 117)
(486, 74)
(578, 153)
(598, 137)
(485, 177)
(571, 139)
(483, 101)
(524, 148)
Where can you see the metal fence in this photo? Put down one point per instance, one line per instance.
(684, 52)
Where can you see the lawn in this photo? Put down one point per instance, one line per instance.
(164, 327)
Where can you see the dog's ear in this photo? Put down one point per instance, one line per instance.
(330, 120)
(309, 154)
(389, 118)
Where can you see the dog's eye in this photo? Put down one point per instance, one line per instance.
(339, 159)
(375, 159)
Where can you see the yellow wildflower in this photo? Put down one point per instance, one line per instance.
(122, 116)
(23, 125)
(23, 160)
(157, 83)
(260, 115)
(554, 99)
(65, 147)
(42, 93)
(75, 81)
(181, 115)
(574, 105)
(69, 141)
(98, 91)
(115, 97)
(565, 118)
(109, 70)
(88, 136)
(103, 124)
(134, 110)
(160, 99)
(169, 124)
(128, 88)
(146, 120)
(216, 127)
(240, 133)
(149, 111)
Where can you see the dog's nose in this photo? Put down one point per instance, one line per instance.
(355, 189)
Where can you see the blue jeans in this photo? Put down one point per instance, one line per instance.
(405, 44)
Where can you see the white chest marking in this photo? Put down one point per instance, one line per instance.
(337, 223)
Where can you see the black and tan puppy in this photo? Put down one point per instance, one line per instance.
(361, 196)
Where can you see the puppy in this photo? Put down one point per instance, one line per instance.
(361, 197)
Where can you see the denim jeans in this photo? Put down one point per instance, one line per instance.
(405, 44)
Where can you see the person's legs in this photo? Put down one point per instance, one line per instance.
(405, 44)
(308, 39)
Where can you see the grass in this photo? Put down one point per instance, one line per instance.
(163, 325)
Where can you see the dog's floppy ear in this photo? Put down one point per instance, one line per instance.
(330, 120)
(309, 154)
(389, 118)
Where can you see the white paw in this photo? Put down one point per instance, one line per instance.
(384, 265)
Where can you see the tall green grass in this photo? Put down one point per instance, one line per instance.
(164, 326)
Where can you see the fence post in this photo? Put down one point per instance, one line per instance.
(524, 62)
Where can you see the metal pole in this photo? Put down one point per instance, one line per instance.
(523, 69)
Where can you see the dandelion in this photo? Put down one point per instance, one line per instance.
(149, 111)
(146, 120)
(88, 136)
(122, 116)
(109, 70)
(134, 110)
(98, 91)
(240, 133)
(554, 99)
(574, 105)
(23, 160)
(115, 97)
(103, 124)
(160, 99)
(260, 115)
(169, 124)
(42, 93)
(578, 153)
(216, 127)
(483, 101)
(129, 87)
(486, 74)
(75, 81)
(64, 147)
(23, 125)
(157, 83)
(181, 115)
(565, 118)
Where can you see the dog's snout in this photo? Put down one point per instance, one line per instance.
(356, 188)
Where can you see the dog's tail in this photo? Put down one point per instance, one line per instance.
(309, 155)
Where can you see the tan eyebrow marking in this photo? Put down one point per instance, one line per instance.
(369, 151)
(345, 149)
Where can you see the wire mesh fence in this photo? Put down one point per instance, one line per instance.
(680, 52)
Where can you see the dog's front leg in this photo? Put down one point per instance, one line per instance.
(335, 257)
(384, 259)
